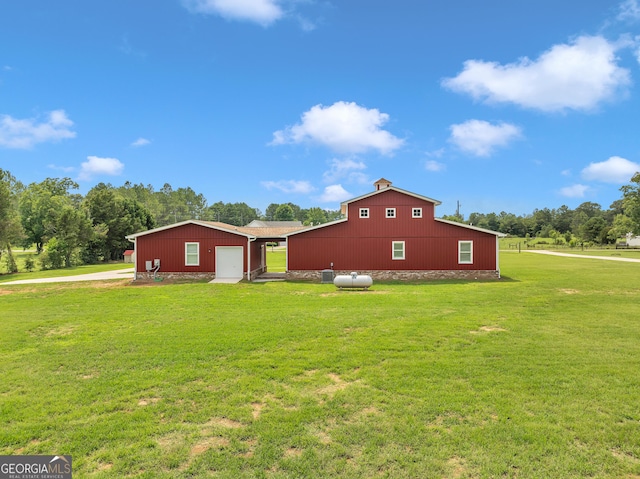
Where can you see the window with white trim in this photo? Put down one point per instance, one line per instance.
(364, 212)
(390, 213)
(465, 252)
(192, 254)
(416, 212)
(397, 250)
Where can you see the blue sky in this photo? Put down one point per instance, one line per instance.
(503, 106)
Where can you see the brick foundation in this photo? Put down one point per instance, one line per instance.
(191, 276)
(403, 275)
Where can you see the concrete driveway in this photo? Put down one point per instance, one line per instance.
(571, 255)
(117, 274)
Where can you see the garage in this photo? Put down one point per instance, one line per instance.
(229, 261)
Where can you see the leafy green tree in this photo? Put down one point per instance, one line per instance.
(594, 230)
(631, 201)
(315, 216)
(333, 215)
(284, 213)
(562, 219)
(113, 218)
(38, 204)
(455, 218)
(296, 212)
(71, 227)
(144, 195)
(237, 214)
(10, 226)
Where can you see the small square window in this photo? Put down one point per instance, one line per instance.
(364, 212)
(465, 252)
(391, 213)
(416, 213)
(397, 248)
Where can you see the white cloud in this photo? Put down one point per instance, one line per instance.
(263, 12)
(614, 170)
(140, 142)
(24, 134)
(629, 10)
(566, 172)
(343, 127)
(334, 193)
(95, 166)
(289, 186)
(480, 137)
(66, 169)
(348, 168)
(432, 165)
(575, 76)
(574, 191)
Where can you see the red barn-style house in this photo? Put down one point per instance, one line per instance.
(391, 233)
(204, 249)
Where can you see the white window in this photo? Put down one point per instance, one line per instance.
(397, 248)
(364, 212)
(416, 213)
(192, 254)
(391, 213)
(465, 252)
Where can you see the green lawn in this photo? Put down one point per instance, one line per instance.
(276, 260)
(533, 376)
(53, 273)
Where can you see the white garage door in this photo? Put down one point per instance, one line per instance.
(229, 261)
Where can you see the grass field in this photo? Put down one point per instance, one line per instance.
(533, 376)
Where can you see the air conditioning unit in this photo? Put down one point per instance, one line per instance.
(327, 276)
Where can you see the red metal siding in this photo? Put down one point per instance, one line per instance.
(366, 243)
(256, 255)
(169, 246)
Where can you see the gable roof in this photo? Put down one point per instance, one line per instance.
(273, 224)
(311, 228)
(207, 224)
(252, 233)
(470, 227)
(391, 188)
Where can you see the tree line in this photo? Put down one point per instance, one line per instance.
(586, 224)
(67, 228)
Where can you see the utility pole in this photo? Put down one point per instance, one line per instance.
(458, 209)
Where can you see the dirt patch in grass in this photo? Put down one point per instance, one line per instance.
(488, 329)
(147, 401)
(256, 409)
(21, 450)
(625, 456)
(171, 441)
(208, 443)
(337, 385)
(224, 423)
(293, 452)
(569, 291)
(457, 467)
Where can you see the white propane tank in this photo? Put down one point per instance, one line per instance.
(353, 280)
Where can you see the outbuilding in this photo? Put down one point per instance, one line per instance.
(204, 249)
(129, 256)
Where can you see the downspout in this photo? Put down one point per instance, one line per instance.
(498, 255)
(135, 255)
(249, 240)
